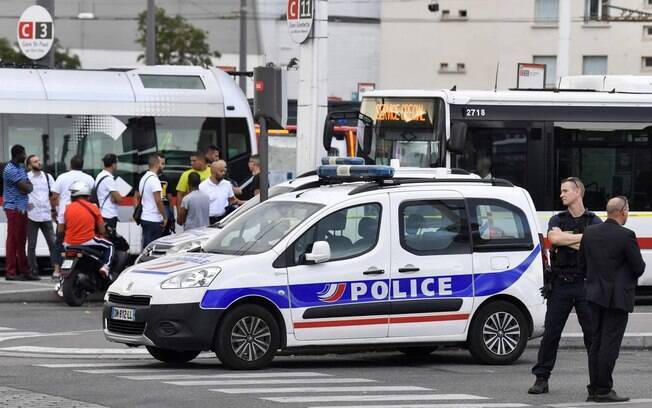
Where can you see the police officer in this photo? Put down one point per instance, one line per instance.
(567, 283)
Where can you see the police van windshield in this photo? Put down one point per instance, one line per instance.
(407, 129)
(262, 228)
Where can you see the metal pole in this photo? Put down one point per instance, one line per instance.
(150, 51)
(263, 148)
(563, 51)
(48, 60)
(243, 45)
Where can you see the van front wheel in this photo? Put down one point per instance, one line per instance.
(247, 338)
(498, 333)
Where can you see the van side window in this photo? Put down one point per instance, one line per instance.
(350, 232)
(437, 227)
(498, 225)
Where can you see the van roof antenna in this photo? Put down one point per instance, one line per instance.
(496, 80)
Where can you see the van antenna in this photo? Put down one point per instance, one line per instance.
(496, 80)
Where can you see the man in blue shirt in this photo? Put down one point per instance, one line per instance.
(16, 189)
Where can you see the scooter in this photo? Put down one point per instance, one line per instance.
(80, 269)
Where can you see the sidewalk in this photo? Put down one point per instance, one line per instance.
(33, 291)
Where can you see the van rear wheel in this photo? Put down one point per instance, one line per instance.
(172, 356)
(498, 333)
(247, 338)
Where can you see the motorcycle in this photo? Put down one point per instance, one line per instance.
(80, 269)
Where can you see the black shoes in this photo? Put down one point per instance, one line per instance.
(611, 396)
(31, 277)
(540, 386)
(15, 278)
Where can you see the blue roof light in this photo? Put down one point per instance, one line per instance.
(347, 172)
(342, 160)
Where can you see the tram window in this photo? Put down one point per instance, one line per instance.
(610, 162)
(237, 138)
(27, 130)
(497, 152)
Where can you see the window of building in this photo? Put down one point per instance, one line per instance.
(461, 67)
(594, 65)
(434, 227)
(350, 232)
(443, 66)
(445, 13)
(463, 13)
(596, 9)
(550, 61)
(614, 160)
(647, 31)
(498, 225)
(546, 11)
(646, 63)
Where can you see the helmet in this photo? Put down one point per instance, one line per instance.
(79, 189)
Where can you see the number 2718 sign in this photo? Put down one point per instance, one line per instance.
(300, 16)
(35, 32)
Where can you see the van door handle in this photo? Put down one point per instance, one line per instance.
(407, 270)
(374, 272)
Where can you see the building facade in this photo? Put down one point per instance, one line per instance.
(470, 43)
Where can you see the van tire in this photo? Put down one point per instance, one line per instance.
(505, 346)
(240, 347)
(172, 356)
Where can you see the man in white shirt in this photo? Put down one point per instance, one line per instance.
(219, 191)
(106, 189)
(154, 216)
(61, 195)
(40, 214)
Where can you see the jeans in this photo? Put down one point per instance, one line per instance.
(33, 228)
(562, 299)
(151, 231)
(16, 260)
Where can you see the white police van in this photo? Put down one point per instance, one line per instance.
(366, 258)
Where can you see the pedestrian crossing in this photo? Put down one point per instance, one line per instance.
(8, 333)
(309, 389)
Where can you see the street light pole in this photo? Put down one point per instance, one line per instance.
(150, 51)
(48, 60)
(243, 45)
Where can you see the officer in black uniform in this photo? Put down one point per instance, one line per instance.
(567, 283)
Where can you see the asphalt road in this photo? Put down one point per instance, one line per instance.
(55, 356)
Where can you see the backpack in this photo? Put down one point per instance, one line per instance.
(94, 198)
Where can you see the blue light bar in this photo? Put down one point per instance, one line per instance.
(357, 172)
(342, 160)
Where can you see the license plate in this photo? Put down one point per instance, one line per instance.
(123, 313)
(67, 264)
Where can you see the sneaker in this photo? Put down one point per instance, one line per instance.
(56, 275)
(58, 289)
(104, 271)
(540, 386)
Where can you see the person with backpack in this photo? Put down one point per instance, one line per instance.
(84, 224)
(105, 192)
(40, 214)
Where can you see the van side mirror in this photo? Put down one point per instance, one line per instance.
(321, 252)
(457, 140)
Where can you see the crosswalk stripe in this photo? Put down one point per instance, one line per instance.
(584, 404)
(447, 405)
(17, 333)
(216, 376)
(6, 329)
(124, 370)
(291, 390)
(72, 350)
(274, 381)
(83, 365)
(363, 398)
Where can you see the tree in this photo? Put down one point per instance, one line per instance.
(62, 58)
(177, 41)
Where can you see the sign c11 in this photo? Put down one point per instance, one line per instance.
(300, 15)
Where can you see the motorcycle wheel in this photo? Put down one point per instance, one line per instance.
(73, 293)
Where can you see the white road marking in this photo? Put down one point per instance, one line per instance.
(290, 390)
(461, 405)
(274, 381)
(585, 404)
(71, 350)
(6, 328)
(5, 336)
(83, 365)
(215, 376)
(362, 398)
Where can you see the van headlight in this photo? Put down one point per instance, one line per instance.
(184, 247)
(192, 279)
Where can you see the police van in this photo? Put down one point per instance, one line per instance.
(364, 257)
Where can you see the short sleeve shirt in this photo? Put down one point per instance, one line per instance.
(104, 185)
(218, 194)
(39, 198)
(197, 206)
(82, 217)
(150, 184)
(182, 185)
(62, 187)
(13, 198)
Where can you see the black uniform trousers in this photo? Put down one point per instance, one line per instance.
(564, 296)
(608, 331)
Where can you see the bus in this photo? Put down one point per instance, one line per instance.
(132, 112)
(598, 128)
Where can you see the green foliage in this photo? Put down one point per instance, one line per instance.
(177, 41)
(62, 58)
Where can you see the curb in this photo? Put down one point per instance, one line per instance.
(575, 341)
(41, 295)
